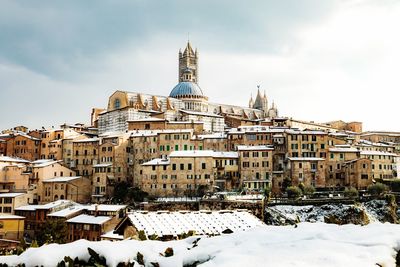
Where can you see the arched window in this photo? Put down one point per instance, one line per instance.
(55, 197)
(62, 197)
(117, 103)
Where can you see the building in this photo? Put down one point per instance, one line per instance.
(166, 225)
(255, 166)
(10, 201)
(186, 103)
(74, 188)
(11, 230)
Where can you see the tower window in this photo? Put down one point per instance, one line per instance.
(117, 103)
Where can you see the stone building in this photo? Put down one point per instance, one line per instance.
(186, 103)
(255, 166)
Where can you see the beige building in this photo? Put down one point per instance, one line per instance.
(75, 188)
(383, 164)
(309, 171)
(255, 166)
(187, 172)
(13, 175)
(10, 201)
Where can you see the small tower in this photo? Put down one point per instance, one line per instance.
(251, 101)
(188, 60)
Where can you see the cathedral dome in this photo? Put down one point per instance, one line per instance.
(186, 89)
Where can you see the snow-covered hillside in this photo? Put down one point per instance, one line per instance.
(307, 244)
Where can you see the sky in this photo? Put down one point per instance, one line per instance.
(317, 60)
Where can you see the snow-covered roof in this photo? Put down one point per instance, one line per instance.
(111, 235)
(10, 217)
(67, 211)
(11, 194)
(88, 219)
(305, 159)
(344, 149)
(147, 119)
(377, 153)
(202, 222)
(200, 113)
(86, 140)
(50, 205)
(105, 207)
(212, 136)
(158, 161)
(12, 159)
(40, 163)
(202, 153)
(312, 132)
(241, 148)
(101, 165)
(65, 179)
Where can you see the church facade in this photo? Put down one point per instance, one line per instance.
(186, 104)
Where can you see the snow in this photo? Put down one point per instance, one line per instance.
(64, 213)
(257, 148)
(10, 217)
(203, 153)
(87, 219)
(307, 244)
(11, 194)
(12, 159)
(105, 207)
(305, 159)
(51, 205)
(61, 179)
(44, 163)
(164, 223)
(157, 161)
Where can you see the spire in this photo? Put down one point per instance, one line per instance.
(251, 101)
(188, 49)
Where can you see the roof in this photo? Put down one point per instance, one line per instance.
(344, 149)
(44, 163)
(305, 159)
(200, 113)
(377, 153)
(102, 165)
(111, 235)
(254, 148)
(50, 205)
(12, 159)
(86, 140)
(184, 89)
(202, 153)
(67, 211)
(88, 219)
(11, 194)
(10, 217)
(105, 207)
(158, 161)
(62, 179)
(146, 119)
(201, 222)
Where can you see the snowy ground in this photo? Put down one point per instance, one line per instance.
(308, 244)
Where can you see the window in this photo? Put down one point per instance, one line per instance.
(300, 165)
(182, 166)
(203, 166)
(117, 103)
(189, 166)
(174, 167)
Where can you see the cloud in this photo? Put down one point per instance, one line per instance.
(319, 60)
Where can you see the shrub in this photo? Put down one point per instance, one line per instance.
(308, 190)
(351, 192)
(377, 189)
(293, 192)
(267, 191)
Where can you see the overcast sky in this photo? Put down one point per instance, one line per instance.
(318, 60)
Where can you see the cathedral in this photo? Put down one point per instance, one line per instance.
(186, 104)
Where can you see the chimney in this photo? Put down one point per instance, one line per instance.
(96, 210)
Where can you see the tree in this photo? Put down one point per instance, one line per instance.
(293, 192)
(120, 192)
(351, 192)
(308, 190)
(286, 183)
(52, 231)
(267, 191)
(377, 189)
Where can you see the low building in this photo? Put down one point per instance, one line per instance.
(10, 201)
(11, 230)
(166, 225)
(36, 215)
(75, 188)
(308, 171)
(88, 227)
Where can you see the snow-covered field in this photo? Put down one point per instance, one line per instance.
(308, 244)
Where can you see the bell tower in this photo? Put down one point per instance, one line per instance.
(188, 62)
